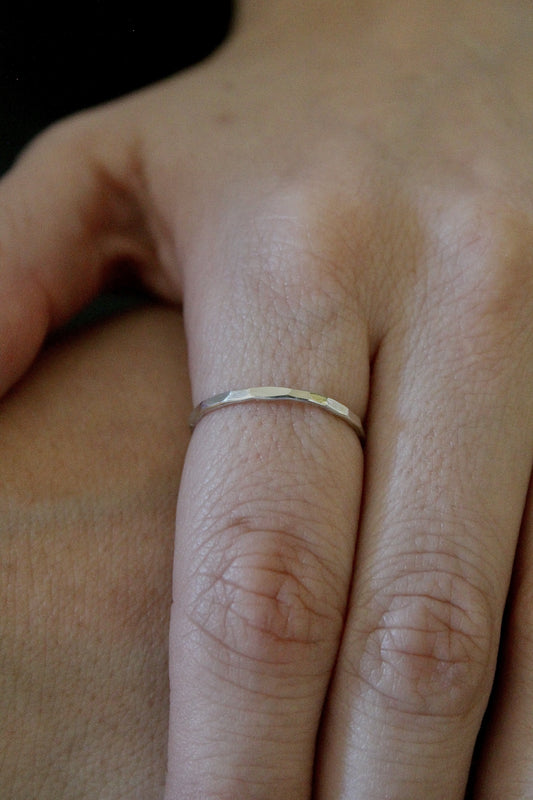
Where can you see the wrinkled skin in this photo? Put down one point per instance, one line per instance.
(341, 198)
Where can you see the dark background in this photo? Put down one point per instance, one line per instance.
(55, 61)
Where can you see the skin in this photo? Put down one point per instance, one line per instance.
(341, 197)
(89, 474)
(83, 683)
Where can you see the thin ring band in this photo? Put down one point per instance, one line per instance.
(260, 393)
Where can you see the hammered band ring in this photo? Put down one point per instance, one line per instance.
(277, 393)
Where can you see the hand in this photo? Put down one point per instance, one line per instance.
(341, 198)
(89, 474)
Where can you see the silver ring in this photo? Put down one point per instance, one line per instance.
(259, 393)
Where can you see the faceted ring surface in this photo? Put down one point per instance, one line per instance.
(277, 393)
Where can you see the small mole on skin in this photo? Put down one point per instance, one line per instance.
(225, 118)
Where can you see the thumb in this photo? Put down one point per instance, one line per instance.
(70, 217)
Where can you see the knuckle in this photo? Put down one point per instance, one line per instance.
(303, 242)
(301, 252)
(491, 245)
(429, 651)
(263, 596)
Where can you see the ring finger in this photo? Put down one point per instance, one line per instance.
(266, 525)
